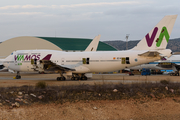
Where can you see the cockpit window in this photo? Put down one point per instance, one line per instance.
(11, 53)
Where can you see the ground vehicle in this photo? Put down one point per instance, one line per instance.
(145, 71)
(131, 73)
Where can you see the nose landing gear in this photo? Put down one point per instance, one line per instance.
(18, 76)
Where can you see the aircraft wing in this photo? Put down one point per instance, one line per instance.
(50, 66)
(47, 65)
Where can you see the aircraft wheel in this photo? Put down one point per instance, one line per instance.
(62, 78)
(58, 78)
(18, 77)
(73, 78)
(84, 78)
(76, 78)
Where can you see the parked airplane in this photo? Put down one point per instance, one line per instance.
(76, 64)
(172, 63)
(91, 47)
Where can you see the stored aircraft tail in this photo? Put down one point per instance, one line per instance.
(94, 44)
(158, 37)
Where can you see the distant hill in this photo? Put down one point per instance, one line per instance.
(174, 44)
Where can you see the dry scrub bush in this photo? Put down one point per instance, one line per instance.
(41, 85)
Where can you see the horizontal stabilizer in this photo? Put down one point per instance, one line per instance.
(150, 54)
(159, 53)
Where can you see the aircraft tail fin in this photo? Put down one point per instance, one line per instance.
(94, 44)
(158, 37)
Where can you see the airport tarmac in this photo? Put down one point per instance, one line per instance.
(6, 79)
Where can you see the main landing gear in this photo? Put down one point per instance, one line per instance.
(79, 77)
(62, 78)
(175, 74)
(18, 75)
(74, 77)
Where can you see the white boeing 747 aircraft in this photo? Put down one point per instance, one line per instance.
(151, 48)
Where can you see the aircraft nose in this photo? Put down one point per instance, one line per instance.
(6, 62)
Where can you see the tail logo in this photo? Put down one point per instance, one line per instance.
(164, 33)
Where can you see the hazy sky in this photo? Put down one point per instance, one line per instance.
(113, 19)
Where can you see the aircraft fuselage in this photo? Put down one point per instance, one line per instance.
(82, 62)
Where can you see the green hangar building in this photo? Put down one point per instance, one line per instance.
(51, 43)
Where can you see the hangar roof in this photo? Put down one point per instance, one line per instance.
(76, 43)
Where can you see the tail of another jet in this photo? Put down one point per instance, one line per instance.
(94, 44)
(158, 37)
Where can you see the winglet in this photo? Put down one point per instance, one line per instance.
(47, 57)
(94, 44)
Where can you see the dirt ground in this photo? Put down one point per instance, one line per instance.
(164, 109)
(147, 109)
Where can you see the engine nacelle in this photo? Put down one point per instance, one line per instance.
(165, 64)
